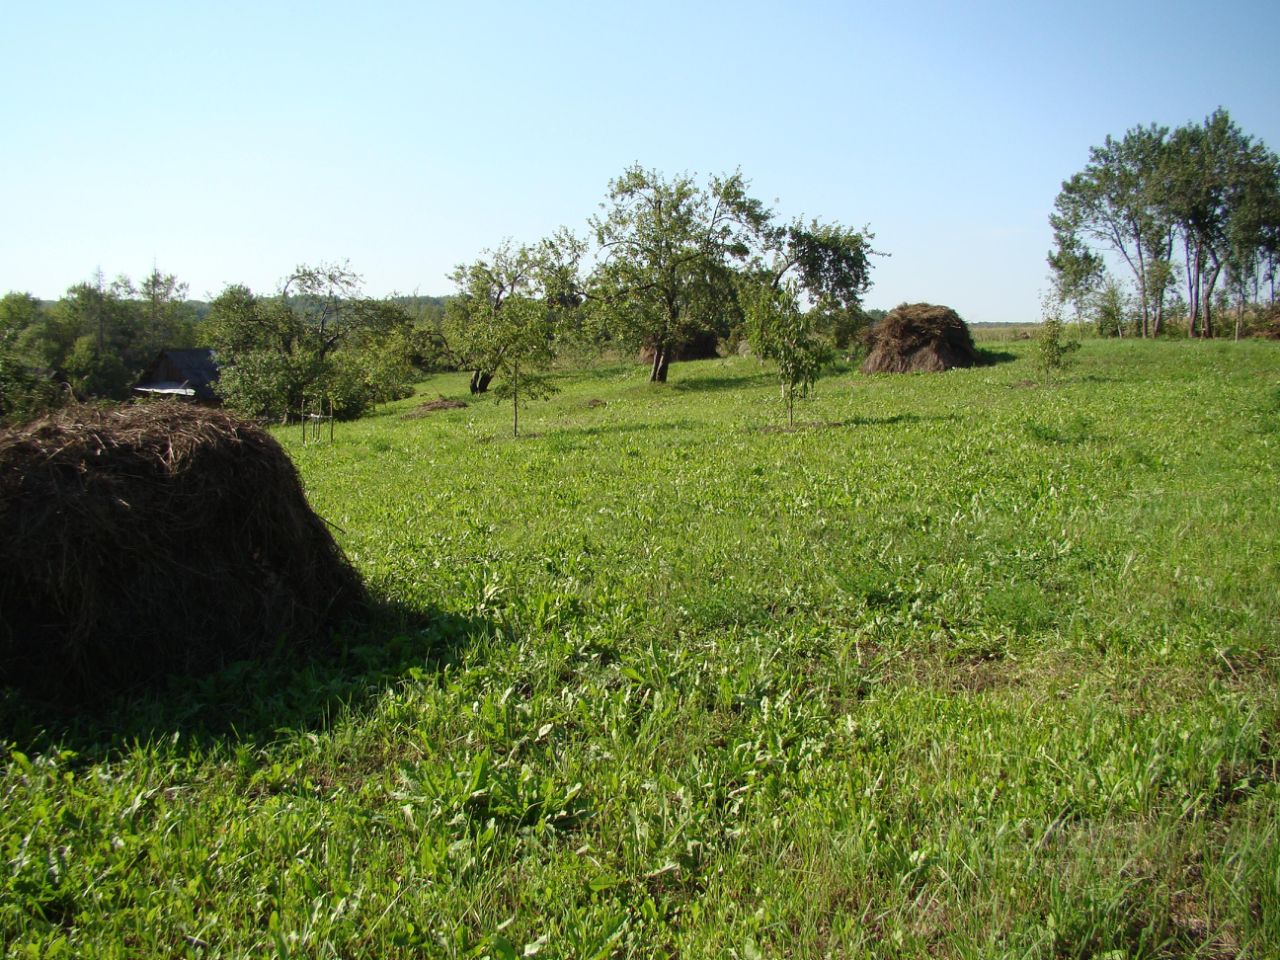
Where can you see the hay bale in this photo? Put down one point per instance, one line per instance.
(919, 336)
(701, 345)
(153, 539)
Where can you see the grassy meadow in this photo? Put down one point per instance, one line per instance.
(964, 665)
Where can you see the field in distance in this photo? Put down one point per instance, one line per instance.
(963, 665)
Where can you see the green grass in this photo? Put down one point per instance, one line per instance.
(962, 666)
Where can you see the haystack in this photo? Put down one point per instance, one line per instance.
(919, 336)
(153, 539)
(701, 345)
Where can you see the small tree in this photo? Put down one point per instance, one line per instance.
(780, 331)
(1110, 308)
(1054, 350)
(526, 330)
(504, 320)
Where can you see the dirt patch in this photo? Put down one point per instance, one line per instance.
(435, 406)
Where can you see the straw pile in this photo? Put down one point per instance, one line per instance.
(153, 539)
(919, 336)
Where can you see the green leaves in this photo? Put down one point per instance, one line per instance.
(319, 341)
(505, 319)
(780, 331)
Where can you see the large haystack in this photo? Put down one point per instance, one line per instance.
(920, 336)
(151, 539)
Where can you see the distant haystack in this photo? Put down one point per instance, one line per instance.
(150, 539)
(920, 337)
(702, 345)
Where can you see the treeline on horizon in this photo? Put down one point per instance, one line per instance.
(1190, 217)
(669, 267)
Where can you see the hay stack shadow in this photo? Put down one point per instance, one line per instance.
(155, 539)
(253, 702)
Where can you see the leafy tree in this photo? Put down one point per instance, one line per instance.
(831, 264)
(666, 253)
(780, 331)
(504, 320)
(278, 353)
(1115, 202)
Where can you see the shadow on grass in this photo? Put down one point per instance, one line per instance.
(988, 357)
(894, 419)
(252, 702)
(723, 382)
(612, 429)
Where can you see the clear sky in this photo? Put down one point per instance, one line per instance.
(227, 142)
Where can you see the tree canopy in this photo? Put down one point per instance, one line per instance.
(317, 341)
(666, 249)
(1208, 191)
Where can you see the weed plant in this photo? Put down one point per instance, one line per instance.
(960, 667)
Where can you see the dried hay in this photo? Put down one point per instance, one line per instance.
(152, 539)
(920, 337)
(701, 345)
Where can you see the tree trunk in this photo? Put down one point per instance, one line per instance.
(1193, 287)
(480, 381)
(1143, 299)
(661, 361)
(515, 401)
(1207, 328)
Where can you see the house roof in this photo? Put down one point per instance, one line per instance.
(190, 372)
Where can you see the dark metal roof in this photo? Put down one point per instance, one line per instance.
(194, 369)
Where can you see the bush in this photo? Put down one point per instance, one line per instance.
(1054, 349)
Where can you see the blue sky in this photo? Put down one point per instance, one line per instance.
(228, 142)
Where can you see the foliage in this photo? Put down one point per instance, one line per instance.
(318, 341)
(263, 383)
(1054, 348)
(98, 338)
(666, 254)
(954, 673)
(779, 330)
(25, 389)
(1209, 188)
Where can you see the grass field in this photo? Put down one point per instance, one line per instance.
(962, 666)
